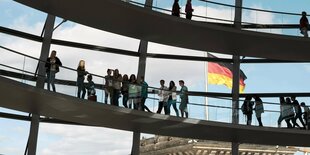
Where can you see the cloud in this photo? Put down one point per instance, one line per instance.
(85, 140)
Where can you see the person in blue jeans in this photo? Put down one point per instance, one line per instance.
(81, 72)
(144, 94)
(172, 100)
(184, 99)
(52, 67)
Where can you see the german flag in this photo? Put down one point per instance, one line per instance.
(221, 73)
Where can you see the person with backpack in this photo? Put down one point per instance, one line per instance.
(298, 113)
(259, 109)
(247, 109)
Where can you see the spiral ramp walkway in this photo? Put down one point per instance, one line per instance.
(29, 99)
(133, 21)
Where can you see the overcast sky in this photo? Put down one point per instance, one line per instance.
(65, 139)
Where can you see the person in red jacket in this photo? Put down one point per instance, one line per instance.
(189, 10)
(303, 24)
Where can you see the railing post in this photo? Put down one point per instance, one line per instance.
(238, 14)
(135, 150)
(236, 77)
(34, 128)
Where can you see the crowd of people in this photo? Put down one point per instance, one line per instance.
(290, 111)
(133, 90)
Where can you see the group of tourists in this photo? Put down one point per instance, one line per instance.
(290, 111)
(134, 90)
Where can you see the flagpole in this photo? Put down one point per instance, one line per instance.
(206, 87)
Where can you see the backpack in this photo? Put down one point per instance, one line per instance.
(246, 107)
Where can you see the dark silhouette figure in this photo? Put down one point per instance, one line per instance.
(306, 115)
(81, 72)
(176, 8)
(289, 113)
(124, 90)
(298, 113)
(247, 109)
(303, 24)
(259, 109)
(189, 10)
(52, 67)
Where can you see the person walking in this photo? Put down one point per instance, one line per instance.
(176, 8)
(289, 113)
(163, 98)
(303, 24)
(172, 100)
(284, 113)
(52, 67)
(81, 72)
(184, 99)
(306, 115)
(298, 113)
(189, 10)
(259, 109)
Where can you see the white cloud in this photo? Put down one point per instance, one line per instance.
(85, 140)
